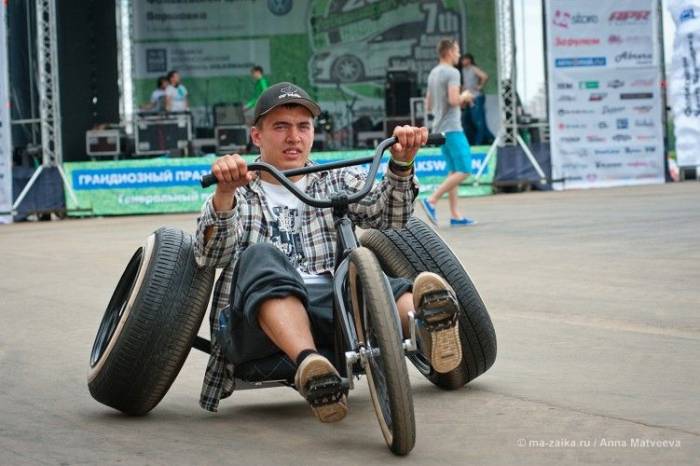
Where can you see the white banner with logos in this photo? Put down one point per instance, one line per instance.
(605, 99)
(5, 129)
(684, 81)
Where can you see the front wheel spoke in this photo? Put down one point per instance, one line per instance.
(380, 383)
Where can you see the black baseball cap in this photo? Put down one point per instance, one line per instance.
(284, 93)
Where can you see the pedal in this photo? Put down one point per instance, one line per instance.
(438, 310)
(325, 390)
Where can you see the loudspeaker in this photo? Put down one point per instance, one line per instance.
(89, 91)
(400, 86)
(228, 114)
(157, 135)
(231, 138)
(105, 142)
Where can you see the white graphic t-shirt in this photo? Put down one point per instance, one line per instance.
(179, 97)
(286, 226)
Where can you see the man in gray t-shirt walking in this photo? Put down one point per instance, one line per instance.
(444, 100)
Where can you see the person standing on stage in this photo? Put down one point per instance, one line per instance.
(474, 115)
(261, 83)
(444, 100)
(176, 97)
(157, 102)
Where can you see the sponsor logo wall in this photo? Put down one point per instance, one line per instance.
(604, 93)
(684, 81)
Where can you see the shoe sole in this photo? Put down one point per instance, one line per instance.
(446, 353)
(432, 219)
(445, 344)
(317, 374)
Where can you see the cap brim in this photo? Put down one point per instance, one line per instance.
(307, 104)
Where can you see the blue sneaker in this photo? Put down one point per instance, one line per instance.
(462, 222)
(429, 210)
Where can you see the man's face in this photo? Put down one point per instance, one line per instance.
(285, 136)
(466, 61)
(256, 74)
(175, 79)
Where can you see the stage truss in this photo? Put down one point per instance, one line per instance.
(507, 98)
(49, 98)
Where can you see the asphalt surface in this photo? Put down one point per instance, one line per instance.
(595, 297)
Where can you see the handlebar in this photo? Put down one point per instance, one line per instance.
(434, 139)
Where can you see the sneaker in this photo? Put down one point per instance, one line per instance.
(319, 383)
(429, 210)
(437, 310)
(462, 222)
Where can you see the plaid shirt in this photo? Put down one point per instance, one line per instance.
(388, 205)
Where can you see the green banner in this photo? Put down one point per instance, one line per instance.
(171, 185)
(338, 50)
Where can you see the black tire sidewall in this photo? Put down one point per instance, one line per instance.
(136, 287)
(397, 250)
(379, 308)
(155, 334)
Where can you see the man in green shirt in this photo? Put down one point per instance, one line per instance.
(260, 85)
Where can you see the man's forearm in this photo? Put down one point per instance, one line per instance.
(222, 202)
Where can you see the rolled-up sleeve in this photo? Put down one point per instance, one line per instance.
(388, 205)
(226, 231)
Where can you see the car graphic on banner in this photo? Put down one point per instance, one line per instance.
(356, 41)
(365, 60)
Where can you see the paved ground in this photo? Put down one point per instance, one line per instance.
(594, 295)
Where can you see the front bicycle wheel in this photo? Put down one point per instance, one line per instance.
(379, 334)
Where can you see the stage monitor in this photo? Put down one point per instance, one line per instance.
(400, 86)
(228, 114)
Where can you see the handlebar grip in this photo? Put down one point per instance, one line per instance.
(436, 139)
(208, 180)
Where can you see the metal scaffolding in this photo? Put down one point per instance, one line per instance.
(49, 98)
(507, 97)
(49, 94)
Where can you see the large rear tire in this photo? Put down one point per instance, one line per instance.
(417, 248)
(150, 323)
(376, 322)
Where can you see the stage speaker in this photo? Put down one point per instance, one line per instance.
(228, 114)
(400, 86)
(156, 135)
(103, 142)
(86, 34)
(231, 138)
